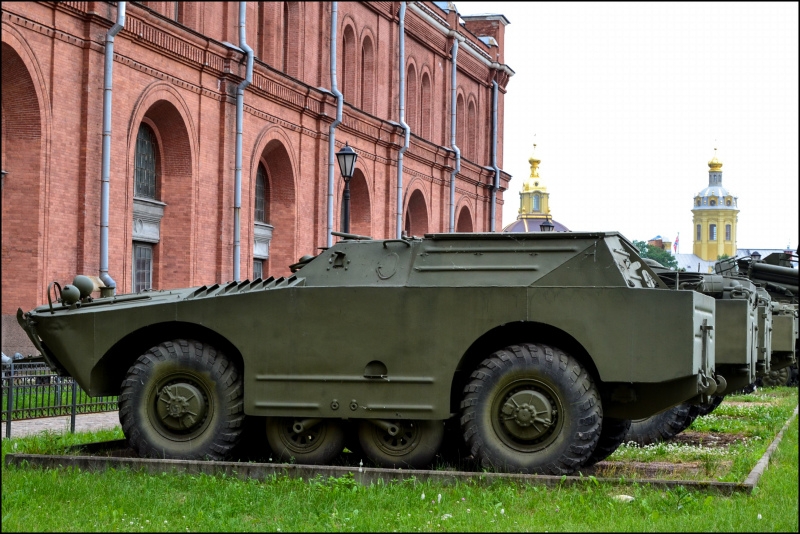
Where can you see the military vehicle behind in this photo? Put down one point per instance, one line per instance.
(542, 347)
(757, 334)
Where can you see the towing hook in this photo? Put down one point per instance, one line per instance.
(722, 384)
(704, 385)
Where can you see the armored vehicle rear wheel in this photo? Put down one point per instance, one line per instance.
(662, 426)
(611, 437)
(182, 399)
(776, 378)
(400, 443)
(305, 441)
(531, 409)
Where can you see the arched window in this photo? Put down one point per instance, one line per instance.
(425, 100)
(537, 206)
(461, 126)
(349, 66)
(728, 202)
(472, 128)
(727, 232)
(262, 196)
(713, 202)
(144, 183)
(367, 76)
(712, 232)
(285, 40)
(699, 233)
(411, 98)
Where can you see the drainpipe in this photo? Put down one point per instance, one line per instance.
(402, 67)
(496, 185)
(237, 196)
(492, 65)
(334, 124)
(110, 285)
(457, 168)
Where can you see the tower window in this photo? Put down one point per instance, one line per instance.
(728, 202)
(712, 232)
(727, 232)
(699, 233)
(713, 202)
(537, 206)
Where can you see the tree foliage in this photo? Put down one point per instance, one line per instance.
(664, 257)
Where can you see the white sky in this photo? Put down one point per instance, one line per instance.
(628, 100)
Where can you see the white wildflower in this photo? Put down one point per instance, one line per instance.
(622, 498)
(502, 511)
(423, 495)
(446, 516)
(439, 499)
(759, 516)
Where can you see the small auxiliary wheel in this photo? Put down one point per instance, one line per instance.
(305, 441)
(400, 443)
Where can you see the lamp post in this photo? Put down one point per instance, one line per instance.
(347, 164)
(756, 256)
(546, 226)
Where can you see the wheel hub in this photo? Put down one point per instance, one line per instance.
(181, 406)
(527, 414)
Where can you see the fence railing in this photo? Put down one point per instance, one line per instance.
(32, 390)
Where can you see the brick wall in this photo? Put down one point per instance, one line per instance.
(180, 78)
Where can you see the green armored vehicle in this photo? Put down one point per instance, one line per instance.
(737, 348)
(778, 283)
(538, 344)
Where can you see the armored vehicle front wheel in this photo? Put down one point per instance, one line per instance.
(531, 408)
(182, 399)
(305, 441)
(400, 443)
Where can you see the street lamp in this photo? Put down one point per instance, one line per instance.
(546, 226)
(347, 164)
(756, 256)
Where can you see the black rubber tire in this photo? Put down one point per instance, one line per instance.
(705, 409)
(776, 378)
(530, 384)
(318, 445)
(182, 399)
(414, 446)
(662, 426)
(793, 376)
(612, 436)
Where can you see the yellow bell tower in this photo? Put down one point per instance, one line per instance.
(534, 198)
(715, 214)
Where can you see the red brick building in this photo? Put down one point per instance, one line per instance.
(172, 174)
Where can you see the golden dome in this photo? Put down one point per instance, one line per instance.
(715, 165)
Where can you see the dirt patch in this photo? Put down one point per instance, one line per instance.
(707, 439)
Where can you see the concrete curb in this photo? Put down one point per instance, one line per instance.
(370, 475)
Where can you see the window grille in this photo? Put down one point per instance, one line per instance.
(142, 267)
(145, 163)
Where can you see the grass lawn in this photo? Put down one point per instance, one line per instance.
(123, 500)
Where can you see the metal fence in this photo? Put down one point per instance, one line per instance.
(32, 390)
